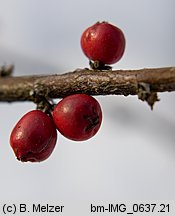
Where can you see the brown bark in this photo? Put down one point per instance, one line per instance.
(118, 82)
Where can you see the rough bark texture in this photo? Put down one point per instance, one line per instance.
(118, 82)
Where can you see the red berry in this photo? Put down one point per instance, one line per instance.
(78, 117)
(34, 137)
(103, 42)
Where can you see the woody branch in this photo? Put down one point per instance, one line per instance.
(142, 82)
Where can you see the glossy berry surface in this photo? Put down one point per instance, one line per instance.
(78, 117)
(34, 137)
(103, 42)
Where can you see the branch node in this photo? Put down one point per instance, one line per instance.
(39, 95)
(99, 66)
(145, 94)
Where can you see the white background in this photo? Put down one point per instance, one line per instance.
(133, 155)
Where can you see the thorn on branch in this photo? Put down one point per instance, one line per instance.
(145, 94)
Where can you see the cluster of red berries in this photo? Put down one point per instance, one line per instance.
(77, 117)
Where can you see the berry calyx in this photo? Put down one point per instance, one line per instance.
(78, 117)
(34, 137)
(103, 43)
